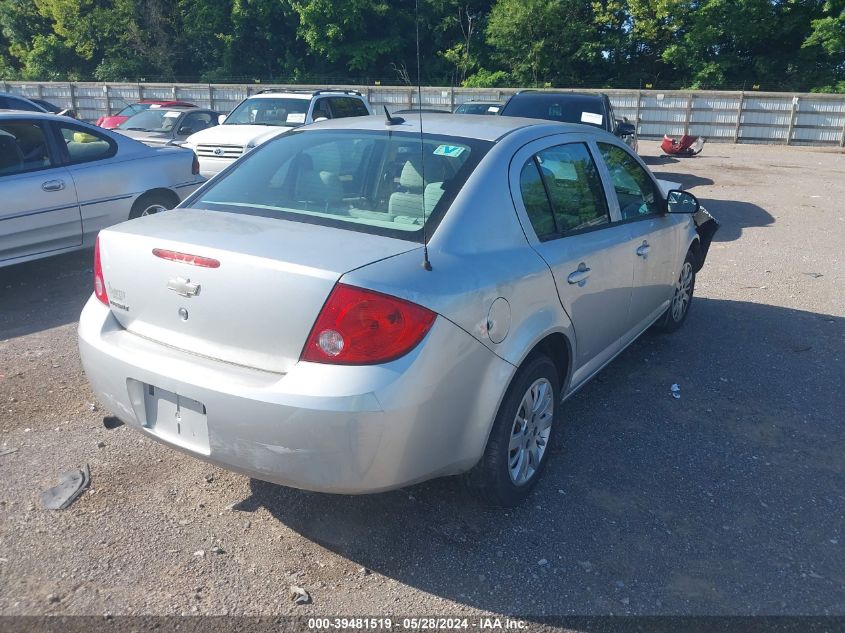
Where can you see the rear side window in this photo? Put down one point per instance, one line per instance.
(347, 106)
(572, 186)
(84, 145)
(536, 201)
(367, 181)
(23, 147)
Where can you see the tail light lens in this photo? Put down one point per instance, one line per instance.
(195, 167)
(362, 327)
(99, 282)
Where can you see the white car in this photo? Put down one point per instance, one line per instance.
(62, 180)
(265, 115)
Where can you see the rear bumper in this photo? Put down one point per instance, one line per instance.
(319, 427)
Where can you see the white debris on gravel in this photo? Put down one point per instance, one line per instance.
(298, 595)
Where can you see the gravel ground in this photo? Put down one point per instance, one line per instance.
(727, 501)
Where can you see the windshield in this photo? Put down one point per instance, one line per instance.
(368, 181)
(135, 108)
(152, 120)
(564, 108)
(288, 112)
(478, 108)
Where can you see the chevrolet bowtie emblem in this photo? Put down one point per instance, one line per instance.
(183, 287)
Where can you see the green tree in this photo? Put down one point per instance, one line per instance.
(358, 34)
(543, 40)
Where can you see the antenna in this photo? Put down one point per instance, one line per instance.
(426, 263)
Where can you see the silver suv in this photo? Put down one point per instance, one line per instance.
(265, 115)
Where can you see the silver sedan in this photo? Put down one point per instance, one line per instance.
(62, 180)
(358, 305)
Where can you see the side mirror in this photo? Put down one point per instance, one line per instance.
(185, 130)
(623, 128)
(220, 119)
(681, 202)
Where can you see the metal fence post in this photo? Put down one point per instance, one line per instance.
(210, 97)
(842, 140)
(73, 104)
(739, 116)
(637, 115)
(688, 113)
(452, 99)
(792, 118)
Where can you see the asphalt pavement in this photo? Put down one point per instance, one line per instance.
(727, 501)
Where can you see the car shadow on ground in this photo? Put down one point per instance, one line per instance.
(45, 293)
(725, 501)
(659, 160)
(688, 181)
(734, 217)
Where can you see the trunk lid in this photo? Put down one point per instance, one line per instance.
(257, 308)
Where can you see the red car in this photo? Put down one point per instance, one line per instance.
(112, 121)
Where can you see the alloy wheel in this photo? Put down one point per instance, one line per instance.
(530, 433)
(681, 300)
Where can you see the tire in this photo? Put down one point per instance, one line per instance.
(505, 475)
(678, 310)
(151, 203)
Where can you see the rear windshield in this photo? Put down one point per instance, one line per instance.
(269, 111)
(152, 120)
(376, 182)
(134, 108)
(567, 109)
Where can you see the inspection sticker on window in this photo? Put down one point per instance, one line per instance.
(591, 117)
(172, 115)
(452, 151)
(296, 117)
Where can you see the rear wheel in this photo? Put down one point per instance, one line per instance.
(524, 429)
(152, 203)
(678, 310)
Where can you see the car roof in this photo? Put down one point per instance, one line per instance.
(10, 114)
(271, 93)
(165, 102)
(458, 125)
(552, 95)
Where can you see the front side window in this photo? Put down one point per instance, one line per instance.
(269, 111)
(321, 110)
(635, 190)
(23, 148)
(84, 145)
(567, 177)
(195, 122)
(348, 106)
(368, 181)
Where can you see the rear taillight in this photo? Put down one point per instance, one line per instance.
(99, 282)
(195, 167)
(362, 327)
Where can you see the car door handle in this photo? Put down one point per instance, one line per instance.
(643, 250)
(579, 276)
(53, 185)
